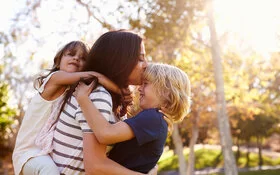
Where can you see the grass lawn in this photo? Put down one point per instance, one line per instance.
(206, 158)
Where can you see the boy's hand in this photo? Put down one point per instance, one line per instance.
(127, 96)
(82, 90)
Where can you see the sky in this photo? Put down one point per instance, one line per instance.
(255, 22)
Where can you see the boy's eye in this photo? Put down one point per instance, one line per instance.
(145, 83)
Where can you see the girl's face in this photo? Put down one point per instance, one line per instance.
(148, 96)
(135, 77)
(72, 61)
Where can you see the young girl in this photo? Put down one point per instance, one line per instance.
(164, 98)
(30, 155)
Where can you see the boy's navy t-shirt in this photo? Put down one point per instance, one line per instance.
(143, 151)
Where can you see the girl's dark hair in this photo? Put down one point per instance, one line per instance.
(72, 46)
(115, 54)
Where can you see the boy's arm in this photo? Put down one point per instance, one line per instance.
(105, 132)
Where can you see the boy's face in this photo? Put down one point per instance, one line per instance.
(148, 96)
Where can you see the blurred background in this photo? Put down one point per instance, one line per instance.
(229, 48)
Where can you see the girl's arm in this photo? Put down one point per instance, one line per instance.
(107, 83)
(62, 78)
(105, 132)
(58, 82)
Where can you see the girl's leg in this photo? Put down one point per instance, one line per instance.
(41, 165)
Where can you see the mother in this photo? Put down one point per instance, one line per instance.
(119, 55)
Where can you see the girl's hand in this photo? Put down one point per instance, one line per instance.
(82, 90)
(106, 82)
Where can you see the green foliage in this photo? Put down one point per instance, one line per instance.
(7, 114)
(254, 160)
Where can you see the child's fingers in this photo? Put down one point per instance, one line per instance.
(127, 99)
(125, 91)
(92, 85)
(75, 93)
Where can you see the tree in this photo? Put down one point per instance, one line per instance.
(165, 25)
(201, 115)
(225, 135)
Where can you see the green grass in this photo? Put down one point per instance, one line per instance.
(212, 158)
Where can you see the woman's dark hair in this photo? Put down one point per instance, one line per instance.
(115, 54)
(72, 46)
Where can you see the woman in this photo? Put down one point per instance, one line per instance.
(120, 56)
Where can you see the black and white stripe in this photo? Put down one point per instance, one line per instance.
(68, 136)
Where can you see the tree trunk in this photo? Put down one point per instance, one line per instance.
(177, 141)
(248, 155)
(191, 159)
(259, 142)
(238, 149)
(223, 122)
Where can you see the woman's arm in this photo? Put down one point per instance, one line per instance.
(96, 161)
(105, 132)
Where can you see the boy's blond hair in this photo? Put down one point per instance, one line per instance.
(172, 87)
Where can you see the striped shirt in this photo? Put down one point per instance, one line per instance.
(68, 135)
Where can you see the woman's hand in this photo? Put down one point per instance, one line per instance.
(82, 90)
